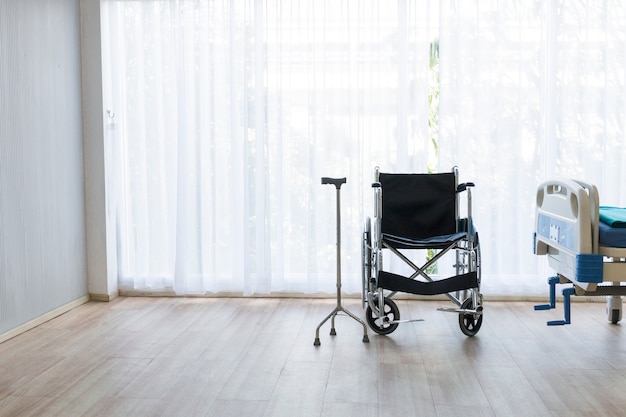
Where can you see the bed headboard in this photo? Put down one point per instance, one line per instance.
(566, 225)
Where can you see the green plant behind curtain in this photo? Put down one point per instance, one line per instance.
(433, 125)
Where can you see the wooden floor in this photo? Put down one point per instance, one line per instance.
(255, 357)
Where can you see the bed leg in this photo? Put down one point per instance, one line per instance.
(567, 294)
(552, 281)
(614, 308)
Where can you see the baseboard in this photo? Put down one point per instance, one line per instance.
(125, 292)
(104, 297)
(43, 318)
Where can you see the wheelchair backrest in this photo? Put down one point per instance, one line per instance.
(418, 206)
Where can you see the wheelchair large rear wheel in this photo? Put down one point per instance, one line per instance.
(366, 259)
(383, 325)
(477, 249)
(469, 323)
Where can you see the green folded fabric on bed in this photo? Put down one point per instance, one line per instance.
(613, 216)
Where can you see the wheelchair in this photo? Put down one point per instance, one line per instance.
(419, 214)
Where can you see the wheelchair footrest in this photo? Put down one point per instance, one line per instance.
(395, 282)
(405, 321)
(460, 310)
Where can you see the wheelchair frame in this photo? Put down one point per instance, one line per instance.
(463, 289)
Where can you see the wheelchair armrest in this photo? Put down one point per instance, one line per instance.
(464, 186)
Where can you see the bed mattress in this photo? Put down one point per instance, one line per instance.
(612, 236)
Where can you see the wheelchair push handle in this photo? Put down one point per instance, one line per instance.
(464, 186)
(337, 182)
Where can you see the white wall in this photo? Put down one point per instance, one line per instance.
(43, 261)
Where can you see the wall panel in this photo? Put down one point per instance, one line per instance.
(42, 220)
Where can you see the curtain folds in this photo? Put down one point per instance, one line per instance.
(227, 113)
(530, 90)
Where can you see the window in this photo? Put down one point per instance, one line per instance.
(228, 113)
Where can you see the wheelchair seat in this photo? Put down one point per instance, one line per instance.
(420, 212)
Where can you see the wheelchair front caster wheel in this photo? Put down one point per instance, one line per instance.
(469, 323)
(384, 324)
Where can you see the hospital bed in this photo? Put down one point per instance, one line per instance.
(417, 218)
(582, 245)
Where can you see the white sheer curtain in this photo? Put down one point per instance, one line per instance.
(530, 90)
(227, 113)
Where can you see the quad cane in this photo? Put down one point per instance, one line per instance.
(337, 182)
